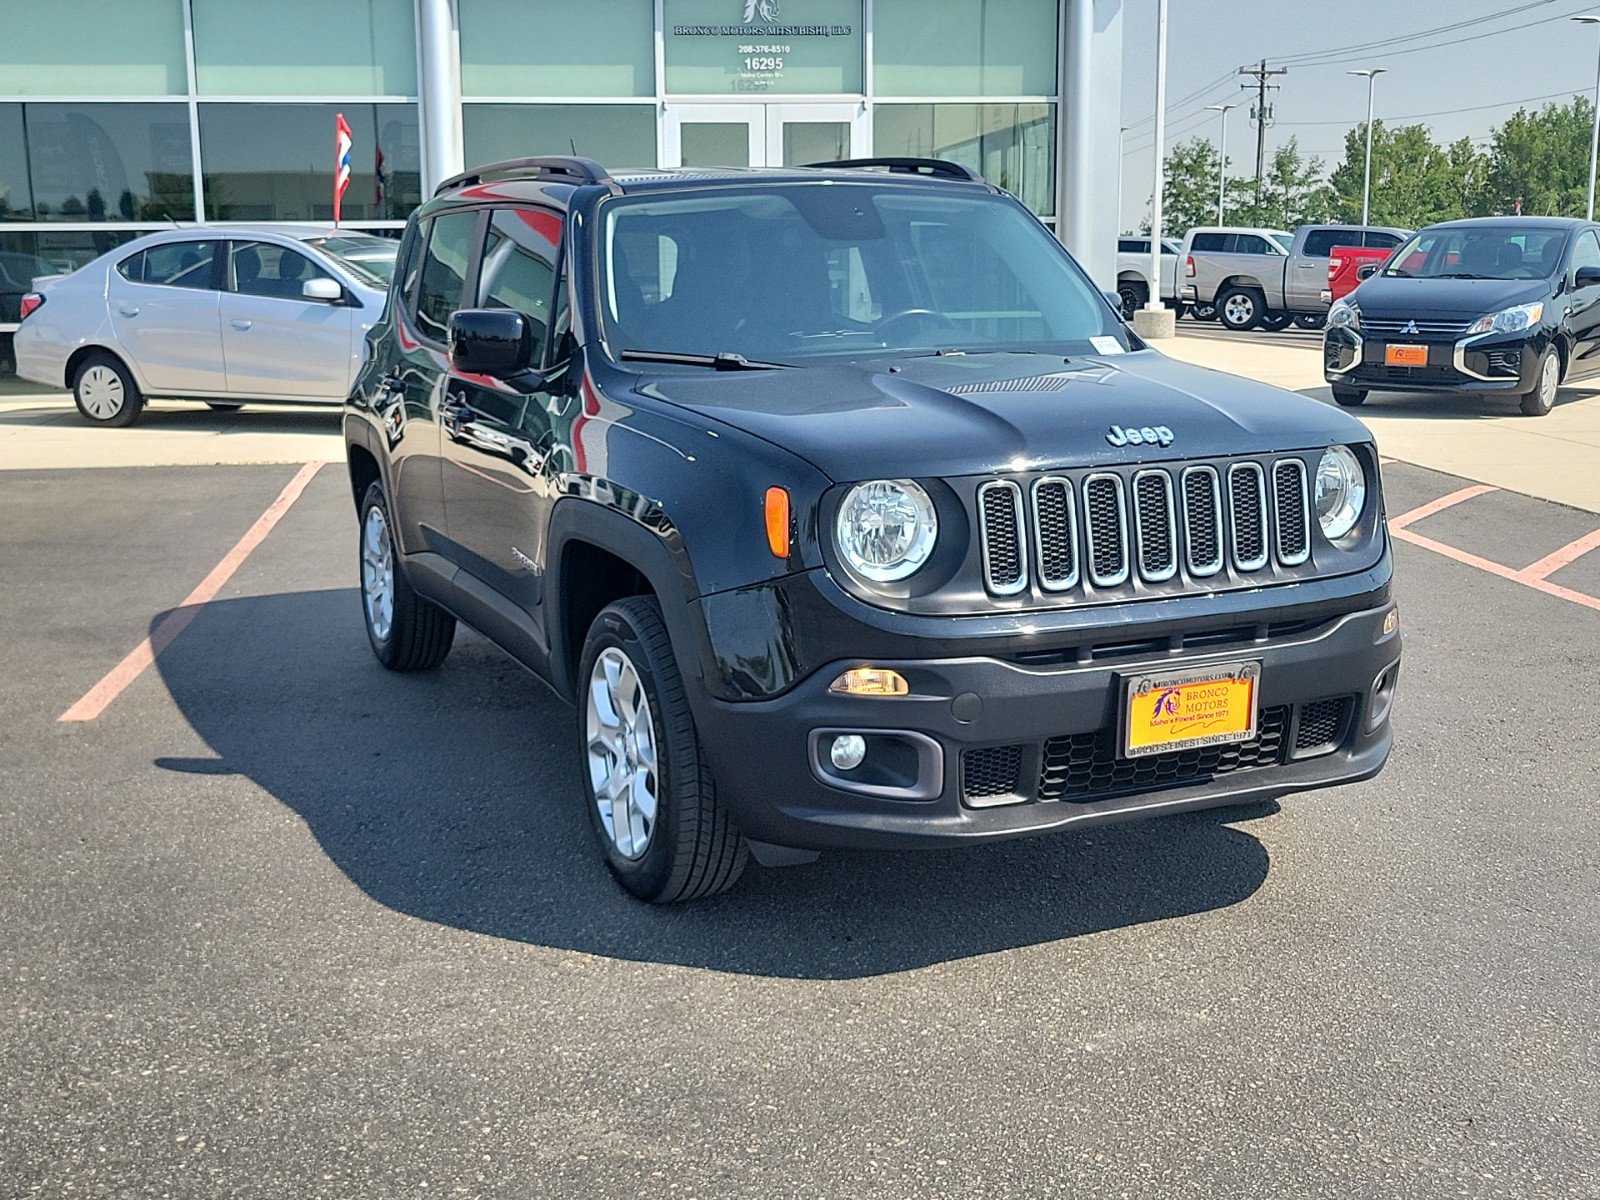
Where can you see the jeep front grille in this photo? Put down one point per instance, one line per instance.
(1105, 529)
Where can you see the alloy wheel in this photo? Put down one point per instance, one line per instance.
(377, 573)
(1239, 310)
(621, 746)
(101, 393)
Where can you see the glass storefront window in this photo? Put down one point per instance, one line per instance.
(749, 47)
(93, 48)
(617, 135)
(305, 48)
(274, 162)
(109, 162)
(1010, 145)
(975, 48)
(16, 196)
(557, 48)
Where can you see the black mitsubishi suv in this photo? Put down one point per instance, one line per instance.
(846, 512)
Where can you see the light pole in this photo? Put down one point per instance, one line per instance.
(1594, 139)
(1222, 154)
(1153, 304)
(1366, 178)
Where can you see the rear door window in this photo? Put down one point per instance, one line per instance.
(1321, 242)
(178, 264)
(444, 270)
(1213, 243)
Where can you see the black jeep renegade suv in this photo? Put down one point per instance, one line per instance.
(847, 513)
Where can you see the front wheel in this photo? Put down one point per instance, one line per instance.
(652, 801)
(1239, 308)
(407, 632)
(1349, 397)
(1547, 378)
(105, 392)
(1132, 296)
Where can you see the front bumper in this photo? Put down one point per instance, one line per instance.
(1492, 362)
(998, 748)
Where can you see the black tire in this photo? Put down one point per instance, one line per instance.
(1240, 308)
(223, 406)
(1273, 321)
(92, 392)
(1203, 312)
(1133, 296)
(1349, 397)
(1309, 320)
(420, 633)
(693, 848)
(1546, 379)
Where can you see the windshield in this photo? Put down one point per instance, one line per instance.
(369, 259)
(1479, 252)
(784, 273)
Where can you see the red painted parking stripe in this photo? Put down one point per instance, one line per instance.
(1556, 559)
(1437, 506)
(1500, 569)
(96, 699)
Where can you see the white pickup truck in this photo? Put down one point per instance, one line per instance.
(1133, 272)
(1268, 277)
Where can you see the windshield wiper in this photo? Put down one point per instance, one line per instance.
(1464, 275)
(719, 362)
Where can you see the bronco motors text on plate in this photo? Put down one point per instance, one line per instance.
(847, 513)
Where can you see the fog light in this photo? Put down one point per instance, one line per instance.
(848, 751)
(871, 681)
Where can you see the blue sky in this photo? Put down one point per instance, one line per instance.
(1513, 56)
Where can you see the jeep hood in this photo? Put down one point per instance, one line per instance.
(976, 414)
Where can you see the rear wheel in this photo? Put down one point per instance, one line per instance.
(1547, 378)
(1203, 312)
(407, 632)
(105, 392)
(1273, 321)
(1239, 308)
(652, 801)
(1349, 397)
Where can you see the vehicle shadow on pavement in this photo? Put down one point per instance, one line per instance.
(180, 417)
(453, 796)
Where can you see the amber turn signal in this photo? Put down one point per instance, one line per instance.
(778, 522)
(871, 681)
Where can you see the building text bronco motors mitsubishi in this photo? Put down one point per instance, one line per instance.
(847, 513)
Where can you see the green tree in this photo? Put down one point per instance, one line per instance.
(1190, 196)
(1293, 192)
(1415, 181)
(1541, 159)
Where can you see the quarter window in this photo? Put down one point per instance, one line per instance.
(178, 264)
(444, 270)
(266, 269)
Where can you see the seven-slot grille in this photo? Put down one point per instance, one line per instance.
(1105, 528)
(1401, 328)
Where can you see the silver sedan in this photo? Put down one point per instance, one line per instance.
(219, 313)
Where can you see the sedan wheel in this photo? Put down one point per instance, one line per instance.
(622, 753)
(1542, 399)
(105, 393)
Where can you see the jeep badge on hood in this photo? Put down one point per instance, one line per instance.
(1158, 435)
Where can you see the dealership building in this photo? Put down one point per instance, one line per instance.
(122, 116)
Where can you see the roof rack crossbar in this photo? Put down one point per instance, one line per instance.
(906, 166)
(562, 167)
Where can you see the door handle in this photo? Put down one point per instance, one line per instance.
(128, 310)
(240, 324)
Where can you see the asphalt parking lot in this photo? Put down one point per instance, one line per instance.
(279, 923)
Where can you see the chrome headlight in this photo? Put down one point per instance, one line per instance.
(1341, 491)
(886, 529)
(1344, 315)
(1509, 320)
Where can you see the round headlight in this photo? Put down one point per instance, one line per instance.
(1341, 491)
(886, 529)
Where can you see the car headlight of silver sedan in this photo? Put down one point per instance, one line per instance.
(886, 529)
(1509, 320)
(1344, 315)
(1340, 491)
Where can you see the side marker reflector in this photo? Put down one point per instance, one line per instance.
(778, 522)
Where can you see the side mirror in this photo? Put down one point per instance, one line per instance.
(1367, 271)
(1586, 277)
(1113, 299)
(490, 341)
(326, 290)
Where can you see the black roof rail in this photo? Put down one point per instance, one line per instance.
(907, 166)
(550, 166)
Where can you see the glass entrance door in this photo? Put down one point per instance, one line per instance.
(761, 135)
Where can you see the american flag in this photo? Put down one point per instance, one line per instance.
(341, 158)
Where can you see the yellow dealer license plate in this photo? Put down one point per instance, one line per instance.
(1181, 710)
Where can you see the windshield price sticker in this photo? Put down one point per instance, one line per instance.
(1183, 710)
